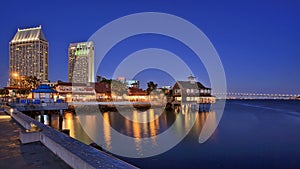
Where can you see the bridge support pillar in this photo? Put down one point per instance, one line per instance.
(42, 116)
(49, 113)
(60, 120)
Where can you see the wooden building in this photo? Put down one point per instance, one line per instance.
(191, 91)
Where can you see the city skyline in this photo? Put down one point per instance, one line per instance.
(258, 47)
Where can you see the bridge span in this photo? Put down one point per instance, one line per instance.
(250, 96)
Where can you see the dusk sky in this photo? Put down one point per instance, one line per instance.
(257, 41)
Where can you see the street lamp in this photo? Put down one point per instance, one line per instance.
(17, 77)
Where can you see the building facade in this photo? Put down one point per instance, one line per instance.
(129, 83)
(28, 55)
(191, 91)
(81, 62)
(75, 91)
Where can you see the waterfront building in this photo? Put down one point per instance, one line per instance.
(43, 93)
(167, 87)
(75, 91)
(103, 91)
(81, 62)
(129, 83)
(137, 95)
(50, 84)
(166, 90)
(132, 83)
(191, 91)
(28, 55)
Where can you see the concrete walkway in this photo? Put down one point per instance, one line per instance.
(13, 154)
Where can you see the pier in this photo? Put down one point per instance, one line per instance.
(42, 109)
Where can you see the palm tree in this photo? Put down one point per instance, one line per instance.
(151, 86)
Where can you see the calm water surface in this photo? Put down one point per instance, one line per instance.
(251, 134)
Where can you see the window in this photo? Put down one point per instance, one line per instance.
(178, 98)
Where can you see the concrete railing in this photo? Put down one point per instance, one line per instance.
(73, 152)
(39, 107)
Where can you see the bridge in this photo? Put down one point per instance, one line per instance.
(250, 96)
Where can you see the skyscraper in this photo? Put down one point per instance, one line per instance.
(28, 51)
(81, 62)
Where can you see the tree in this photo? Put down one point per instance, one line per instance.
(4, 92)
(30, 82)
(99, 78)
(22, 92)
(151, 86)
(118, 88)
(109, 81)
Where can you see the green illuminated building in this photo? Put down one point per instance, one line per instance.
(81, 62)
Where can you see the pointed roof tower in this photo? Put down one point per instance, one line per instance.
(29, 34)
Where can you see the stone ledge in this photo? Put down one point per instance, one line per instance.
(73, 152)
(29, 136)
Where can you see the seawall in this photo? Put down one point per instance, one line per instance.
(73, 152)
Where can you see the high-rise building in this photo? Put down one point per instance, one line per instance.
(28, 55)
(81, 62)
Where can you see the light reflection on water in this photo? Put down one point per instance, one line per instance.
(70, 122)
(106, 131)
(155, 122)
(251, 134)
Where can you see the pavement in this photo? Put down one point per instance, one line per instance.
(14, 155)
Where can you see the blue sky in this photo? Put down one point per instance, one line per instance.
(257, 41)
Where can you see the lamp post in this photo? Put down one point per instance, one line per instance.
(16, 78)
